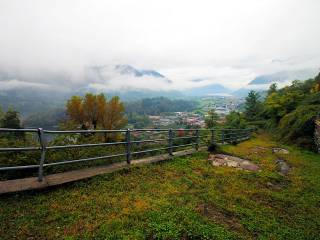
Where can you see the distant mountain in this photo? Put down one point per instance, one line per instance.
(129, 70)
(152, 73)
(131, 94)
(243, 92)
(31, 100)
(106, 73)
(39, 91)
(285, 76)
(208, 90)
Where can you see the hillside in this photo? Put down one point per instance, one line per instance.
(285, 76)
(186, 198)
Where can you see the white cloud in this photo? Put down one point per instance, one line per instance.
(227, 41)
(108, 77)
(14, 83)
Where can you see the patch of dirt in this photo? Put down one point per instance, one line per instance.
(231, 161)
(77, 228)
(226, 218)
(259, 149)
(280, 205)
(277, 185)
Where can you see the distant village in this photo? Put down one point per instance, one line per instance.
(222, 106)
(179, 118)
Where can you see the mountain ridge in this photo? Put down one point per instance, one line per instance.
(284, 76)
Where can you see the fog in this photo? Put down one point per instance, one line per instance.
(51, 43)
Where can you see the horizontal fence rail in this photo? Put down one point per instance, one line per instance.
(196, 136)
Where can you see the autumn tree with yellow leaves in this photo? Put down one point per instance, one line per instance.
(95, 111)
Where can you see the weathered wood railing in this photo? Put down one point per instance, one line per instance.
(198, 136)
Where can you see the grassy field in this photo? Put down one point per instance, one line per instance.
(185, 198)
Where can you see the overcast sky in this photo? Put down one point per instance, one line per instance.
(226, 41)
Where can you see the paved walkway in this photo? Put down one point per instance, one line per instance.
(71, 176)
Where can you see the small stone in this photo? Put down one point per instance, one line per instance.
(283, 167)
(280, 150)
(269, 184)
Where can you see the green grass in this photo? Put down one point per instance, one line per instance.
(185, 198)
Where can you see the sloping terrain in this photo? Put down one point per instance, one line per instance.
(185, 198)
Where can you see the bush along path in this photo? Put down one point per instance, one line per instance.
(185, 198)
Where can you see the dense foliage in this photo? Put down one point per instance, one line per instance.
(136, 112)
(235, 120)
(94, 111)
(156, 106)
(289, 113)
(10, 119)
(292, 111)
(47, 119)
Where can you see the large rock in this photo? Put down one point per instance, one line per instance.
(280, 150)
(231, 161)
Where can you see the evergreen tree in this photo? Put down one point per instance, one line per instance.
(235, 120)
(11, 119)
(252, 106)
(272, 89)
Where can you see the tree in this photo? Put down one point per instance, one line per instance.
(235, 120)
(11, 119)
(316, 86)
(212, 119)
(95, 111)
(90, 110)
(252, 106)
(115, 114)
(75, 110)
(102, 109)
(139, 121)
(272, 89)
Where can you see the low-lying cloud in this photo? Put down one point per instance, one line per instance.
(53, 43)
